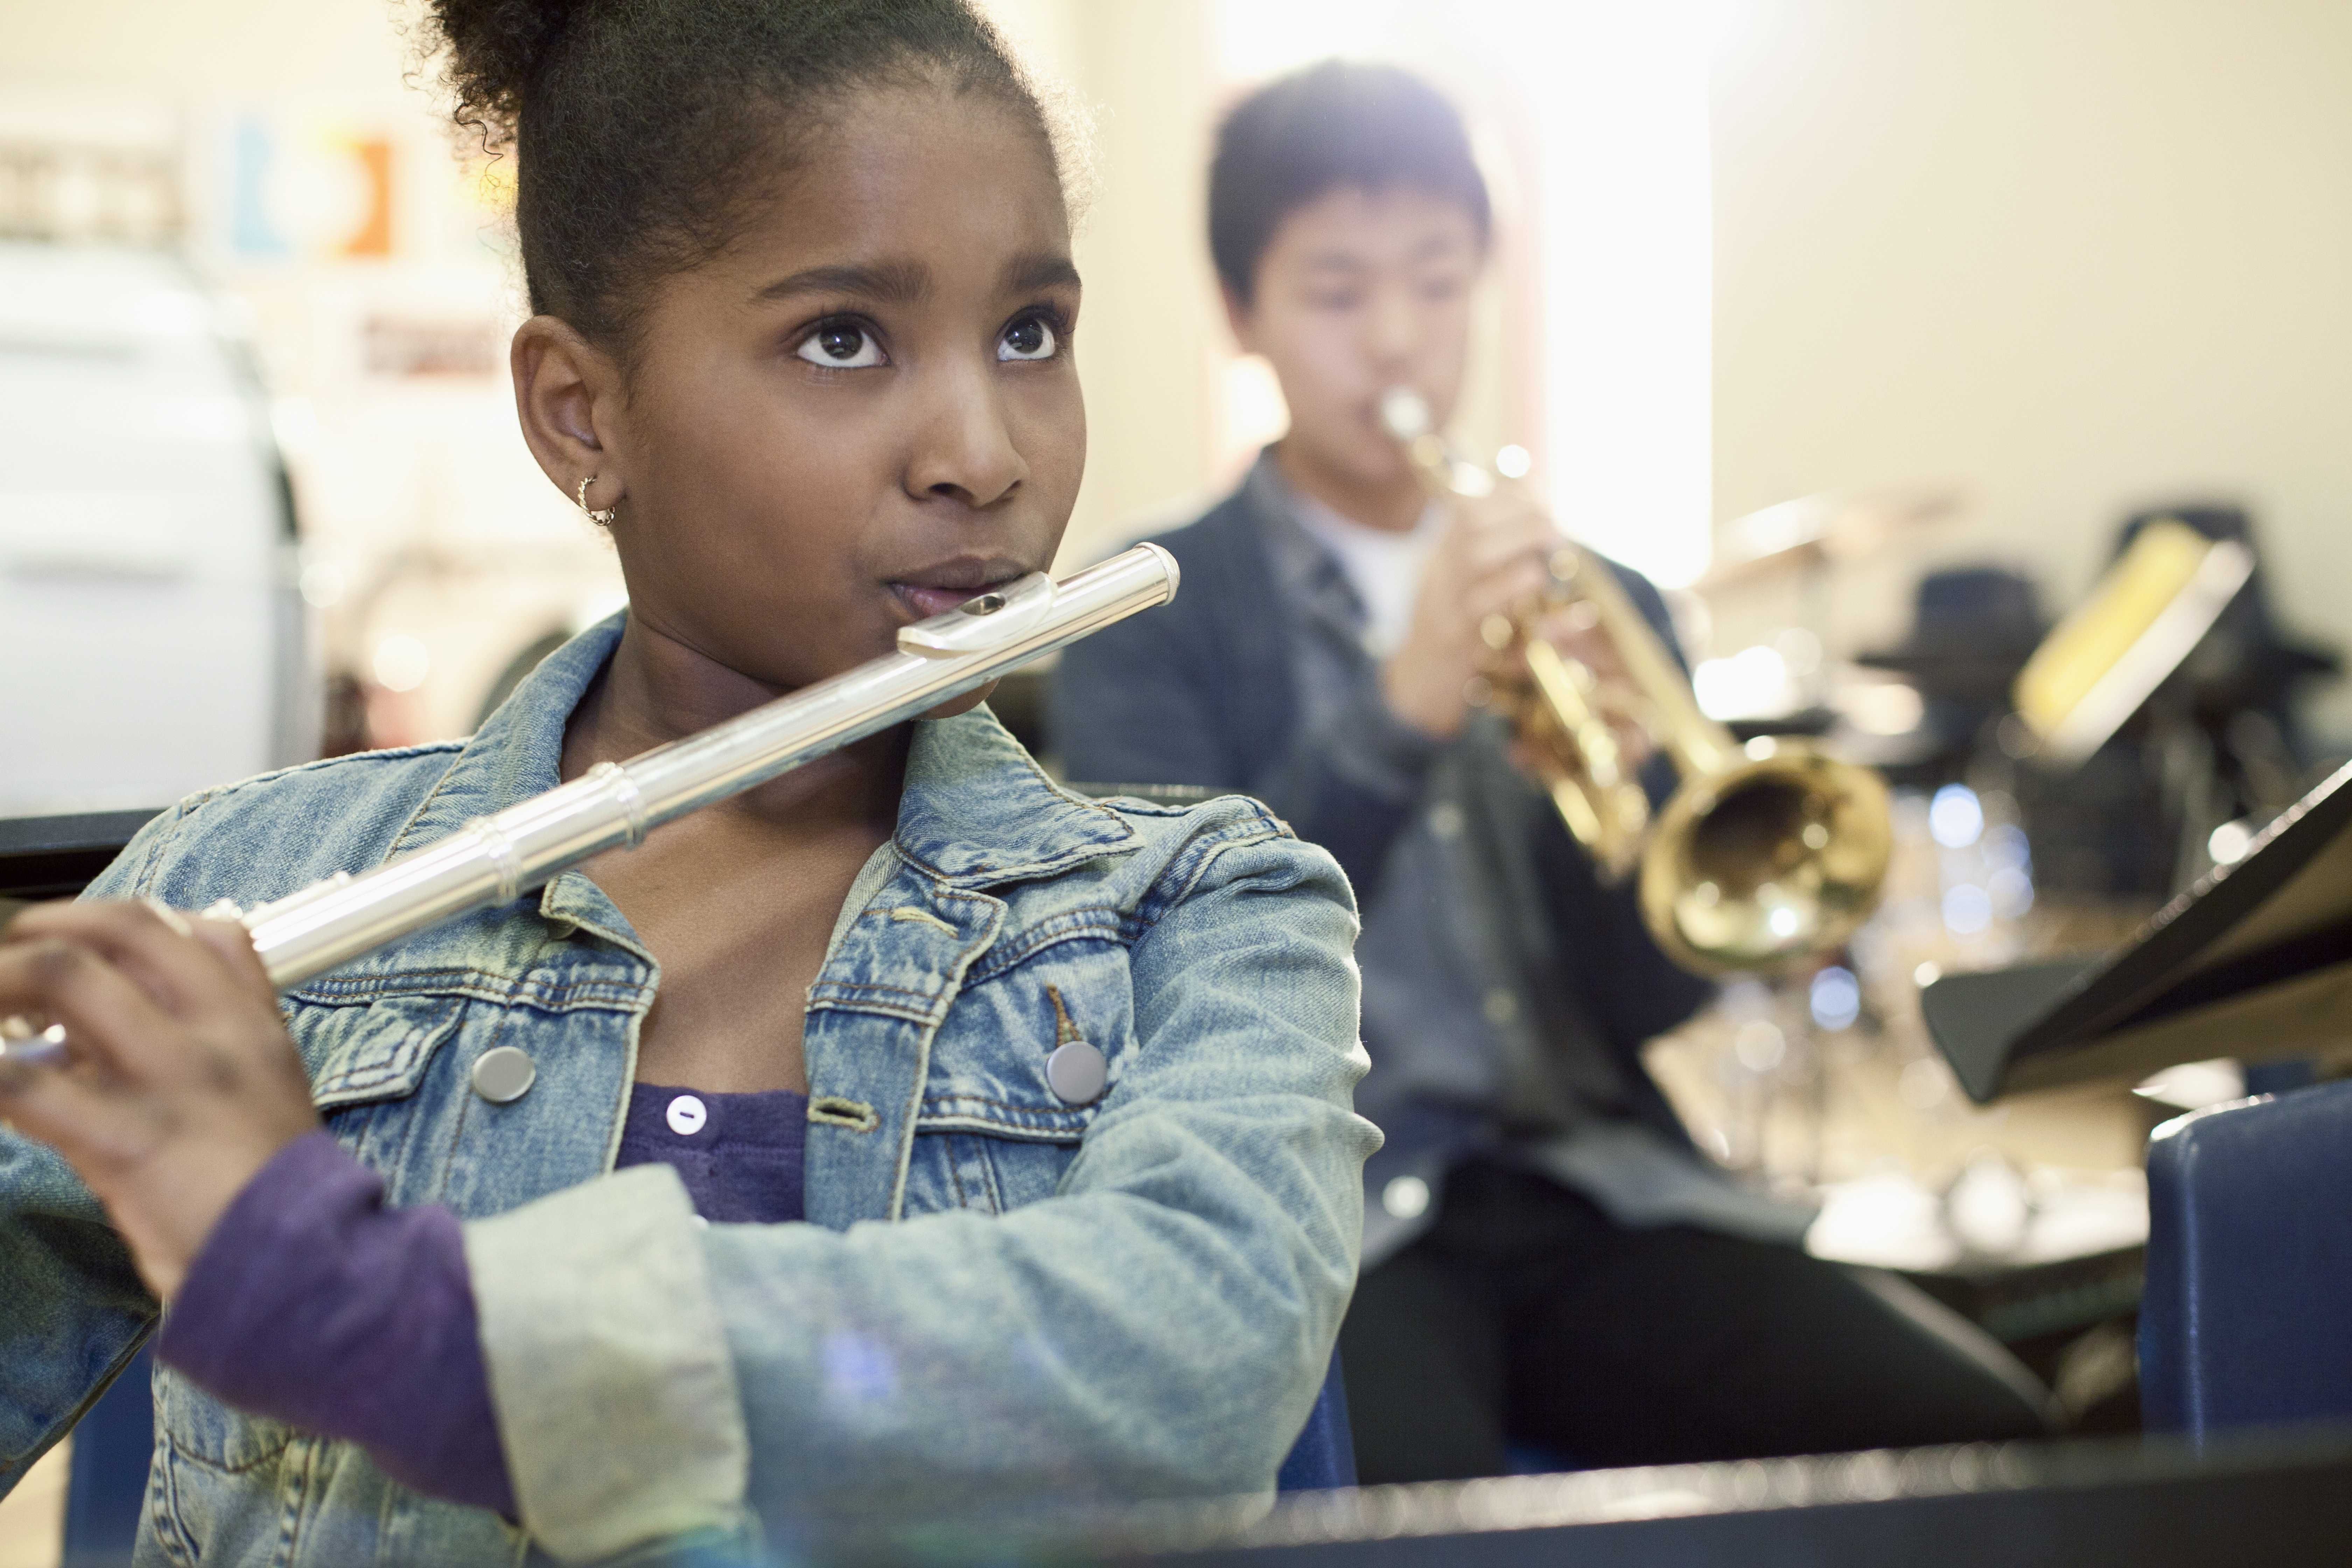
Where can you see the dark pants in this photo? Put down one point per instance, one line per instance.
(1526, 1318)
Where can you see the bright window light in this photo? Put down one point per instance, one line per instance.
(1626, 205)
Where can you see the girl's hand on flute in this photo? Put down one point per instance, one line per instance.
(182, 1083)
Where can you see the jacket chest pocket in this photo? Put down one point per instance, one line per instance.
(1029, 1054)
(378, 1049)
(375, 1069)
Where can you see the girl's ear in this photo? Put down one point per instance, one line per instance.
(568, 397)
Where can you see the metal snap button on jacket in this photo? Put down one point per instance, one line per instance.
(503, 1074)
(1077, 1072)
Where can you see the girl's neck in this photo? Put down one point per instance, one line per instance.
(656, 689)
(1391, 505)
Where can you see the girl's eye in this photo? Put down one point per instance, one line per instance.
(841, 345)
(1031, 337)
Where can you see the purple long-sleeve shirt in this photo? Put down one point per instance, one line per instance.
(314, 1304)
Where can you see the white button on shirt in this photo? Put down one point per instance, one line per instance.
(686, 1114)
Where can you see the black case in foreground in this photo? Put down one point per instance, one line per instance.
(2256, 962)
(55, 857)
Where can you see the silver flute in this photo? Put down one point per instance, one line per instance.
(496, 859)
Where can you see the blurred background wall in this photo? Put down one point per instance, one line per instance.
(2048, 262)
(2071, 259)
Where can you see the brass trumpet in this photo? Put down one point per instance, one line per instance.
(1767, 854)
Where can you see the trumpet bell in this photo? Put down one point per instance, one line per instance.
(1769, 864)
(1767, 857)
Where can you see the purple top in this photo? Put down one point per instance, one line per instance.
(314, 1304)
(741, 1155)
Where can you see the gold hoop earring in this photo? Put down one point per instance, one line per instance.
(600, 518)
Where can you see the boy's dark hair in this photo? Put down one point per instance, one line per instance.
(1331, 125)
(641, 127)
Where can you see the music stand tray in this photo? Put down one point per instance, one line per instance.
(2256, 962)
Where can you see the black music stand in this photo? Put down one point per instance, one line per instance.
(2254, 961)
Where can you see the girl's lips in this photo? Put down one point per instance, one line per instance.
(929, 602)
(935, 590)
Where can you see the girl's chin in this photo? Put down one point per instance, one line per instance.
(955, 706)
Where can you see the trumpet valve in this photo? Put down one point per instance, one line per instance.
(1632, 809)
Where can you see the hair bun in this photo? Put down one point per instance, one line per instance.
(489, 51)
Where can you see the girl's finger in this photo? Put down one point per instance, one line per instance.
(194, 977)
(112, 1021)
(77, 1118)
(229, 941)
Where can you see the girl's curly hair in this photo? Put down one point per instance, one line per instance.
(640, 127)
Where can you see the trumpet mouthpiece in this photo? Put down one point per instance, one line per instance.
(1404, 414)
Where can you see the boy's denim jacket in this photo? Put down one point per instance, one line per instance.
(1000, 1296)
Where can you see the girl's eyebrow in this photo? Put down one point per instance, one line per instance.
(1027, 274)
(890, 282)
(909, 283)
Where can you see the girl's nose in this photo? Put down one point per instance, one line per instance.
(964, 450)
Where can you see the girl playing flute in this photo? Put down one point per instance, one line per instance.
(906, 1136)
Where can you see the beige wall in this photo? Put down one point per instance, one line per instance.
(2065, 256)
(2071, 256)
(178, 51)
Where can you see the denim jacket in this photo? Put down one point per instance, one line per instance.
(1001, 1296)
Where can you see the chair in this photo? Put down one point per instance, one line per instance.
(2249, 1265)
(1325, 1455)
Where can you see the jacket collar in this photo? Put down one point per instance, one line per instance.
(976, 809)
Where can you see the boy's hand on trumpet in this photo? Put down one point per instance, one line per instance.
(1574, 629)
(183, 1082)
(1490, 560)
(1495, 559)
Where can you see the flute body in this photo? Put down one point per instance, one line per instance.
(496, 859)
